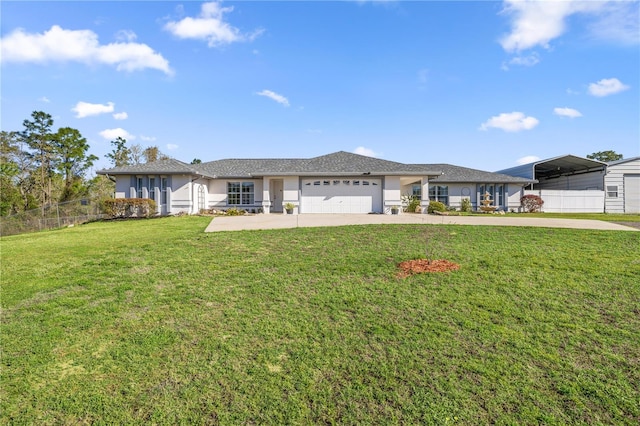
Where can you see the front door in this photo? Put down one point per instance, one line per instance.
(275, 194)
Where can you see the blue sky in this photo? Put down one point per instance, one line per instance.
(480, 84)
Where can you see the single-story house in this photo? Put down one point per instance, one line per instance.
(569, 183)
(340, 182)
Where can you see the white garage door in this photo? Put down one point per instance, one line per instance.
(632, 193)
(341, 196)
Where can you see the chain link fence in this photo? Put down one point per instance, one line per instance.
(52, 217)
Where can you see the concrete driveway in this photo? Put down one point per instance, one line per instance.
(280, 221)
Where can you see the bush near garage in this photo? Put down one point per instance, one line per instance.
(436, 206)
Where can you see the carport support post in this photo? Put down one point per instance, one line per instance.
(424, 199)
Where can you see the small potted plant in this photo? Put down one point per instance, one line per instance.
(289, 208)
(395, 209)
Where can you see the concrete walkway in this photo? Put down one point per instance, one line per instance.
(279, 221)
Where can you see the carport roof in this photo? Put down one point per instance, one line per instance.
(564, 165)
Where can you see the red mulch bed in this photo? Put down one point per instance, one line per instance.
(419, 266)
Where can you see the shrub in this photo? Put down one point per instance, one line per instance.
(410, 203)
(465, 205)
(531, 203)
(234, 211)
(129, 207)
(436, 206)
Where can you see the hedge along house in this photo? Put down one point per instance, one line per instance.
(340, 182)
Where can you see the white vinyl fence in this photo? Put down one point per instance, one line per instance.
(564, 201)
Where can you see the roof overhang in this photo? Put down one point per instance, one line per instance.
(566, 165)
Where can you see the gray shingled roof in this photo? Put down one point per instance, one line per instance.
(337, 163)
(168, 166)
(452, 174)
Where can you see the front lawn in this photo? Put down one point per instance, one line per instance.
(153, 321)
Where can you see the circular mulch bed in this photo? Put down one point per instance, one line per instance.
(420, 266)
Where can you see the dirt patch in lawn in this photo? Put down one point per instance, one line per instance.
(420, 266)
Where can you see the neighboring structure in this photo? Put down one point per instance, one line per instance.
(622, 186)
(569, 183)
(335, 183)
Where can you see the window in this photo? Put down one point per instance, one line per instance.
(325, 182)
(336, 182)
(139, 186)
(612, 191)
(496, 191)
(439, 193)
(152, 188)
(365, 182)
(240, 193)
(356, 182)
(163, 190)
(416, 191)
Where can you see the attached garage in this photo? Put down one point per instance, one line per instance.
(341, 195)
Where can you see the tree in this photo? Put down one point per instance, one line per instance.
(151, 154)
(15, 175)
(121, 155)
(137, 154)
(196, 161)
(38, 137)
(605, 156)
(72, 160)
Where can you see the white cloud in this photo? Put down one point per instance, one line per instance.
(172, 146)
(147, 138)
(275, 96)
(366, 151)
(572, 92)
(528, 159)
(111, 134)
(210, 27)
(85, 109)
(619, 23)
(121, 115)
(61, 45)
(567, 112)
(44, 99)
(126, 35)
(510, 122)
(606, 87)
(536, 23)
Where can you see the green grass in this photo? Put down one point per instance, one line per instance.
(609, 217)
(154, 321)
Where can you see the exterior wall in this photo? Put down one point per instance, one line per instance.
(217, 194)
(585, 181)
(291, 192)
(459, 191)
(181, 200)
(559, 201)
(391, 193)
(123, 185)
(615, 177)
